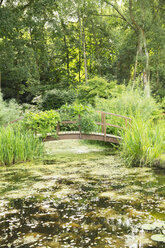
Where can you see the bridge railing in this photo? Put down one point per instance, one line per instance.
(104, 124)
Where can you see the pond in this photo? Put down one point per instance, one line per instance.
(81, 196)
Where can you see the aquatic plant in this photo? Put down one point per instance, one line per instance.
(18, 144)
(142, 144)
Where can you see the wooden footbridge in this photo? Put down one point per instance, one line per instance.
(102, 136)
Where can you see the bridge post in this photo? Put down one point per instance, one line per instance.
(58, 128)
(103, 124)
(126, 123)
(79, 127)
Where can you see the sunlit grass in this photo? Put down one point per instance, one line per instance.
(18, 145)
(143, 143)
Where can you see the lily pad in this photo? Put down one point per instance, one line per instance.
(158, 238)
(148, 227)
(160, 225)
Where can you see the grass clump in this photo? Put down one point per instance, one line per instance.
(142, 144)
(131, 103)
(18, 144)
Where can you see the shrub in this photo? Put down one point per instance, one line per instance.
(72, 112)
(17, 145)
(142, 144)
(96, 87)
(42, 122)
(54, 99)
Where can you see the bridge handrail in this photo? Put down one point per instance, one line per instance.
(103, 122)
(107, 113)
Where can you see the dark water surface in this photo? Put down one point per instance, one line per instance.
(79, 199)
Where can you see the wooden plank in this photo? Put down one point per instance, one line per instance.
(69, 122)
(99, 137)
(126, 123)
(122, 116)
(105, 127)
(102, 122)
(79, 127)
(58, 128)
(108, 124)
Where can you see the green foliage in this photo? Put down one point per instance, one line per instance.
(35, 58)
(96, 87)
(54, 99)
(8, 111)
(131, 103)
(87, 123)
(142, 144)
(72, 111)
(18, 144)
(84, 115)
(42, 122)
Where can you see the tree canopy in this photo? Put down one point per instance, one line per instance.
(48, 44)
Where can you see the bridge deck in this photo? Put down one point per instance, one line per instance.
(79, 135)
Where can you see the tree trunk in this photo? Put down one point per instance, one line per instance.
(67, 57)
(146, 73)
(84, 52)
(142, 44)
(0, 82)
(82, 35)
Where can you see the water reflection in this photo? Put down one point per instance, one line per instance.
(80, 200)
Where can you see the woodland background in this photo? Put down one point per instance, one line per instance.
(62, 45)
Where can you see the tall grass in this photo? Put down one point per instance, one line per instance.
(9, 111)
(131, 103)
(142, 144)
(18, 145)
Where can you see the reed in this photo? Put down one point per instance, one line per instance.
(18, 145)
(142, 144)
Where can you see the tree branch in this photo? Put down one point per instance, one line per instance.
(109, 16)
(122, 16)
(132, 17)
(1, 1)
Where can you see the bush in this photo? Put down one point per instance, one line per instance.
(54, 99)
(142, 144)
(42, 122)
(8, 111)
(96, 87)
(17, 145)
(72, 112)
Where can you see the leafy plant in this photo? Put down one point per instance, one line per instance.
(42, 122)
(96, 87)
(85, 115)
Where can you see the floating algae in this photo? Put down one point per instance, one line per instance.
(79, 200)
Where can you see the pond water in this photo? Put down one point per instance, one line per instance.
(81, 196)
